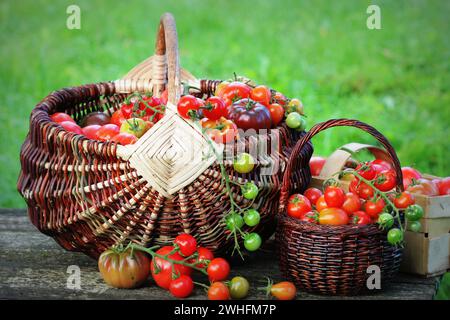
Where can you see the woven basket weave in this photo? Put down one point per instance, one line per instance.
(89, 195)
(333, 260)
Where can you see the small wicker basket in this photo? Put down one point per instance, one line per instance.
(333, 260)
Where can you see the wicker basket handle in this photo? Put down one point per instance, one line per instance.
(285, 187)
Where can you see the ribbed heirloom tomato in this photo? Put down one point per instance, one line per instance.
(298, 205)
(162, 269)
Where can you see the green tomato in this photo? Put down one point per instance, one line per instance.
(244, 163)
(386, 220)
(135, 126)
(294, 120)
(415, 226)
(234, 221)
(414, 212)
(252, 217)
(395, 236)
(249, 190)
(252, 241)
(239, 287)
(302, 126)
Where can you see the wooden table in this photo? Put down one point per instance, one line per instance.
(33, 266)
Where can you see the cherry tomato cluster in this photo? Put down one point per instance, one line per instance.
(125, 126)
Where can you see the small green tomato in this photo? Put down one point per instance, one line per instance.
(244, 163)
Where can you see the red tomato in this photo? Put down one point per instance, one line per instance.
(284, 290)
(186, 243)
(234, 91)
(316, 165)
(204, 257)
(91, 131)
(276, 113)
(164, 97)
(385, 180)
(387, 165)
(298, 205)
(366, 170)
(321, 203)
(107, 132)
(61, 117)
(310, 217)
(410, 174)
(181, 287)
(261, 94)
(127, 109)
(424, 187)
(187, 106)
(71, 127)
(215, 108)
(280, 98)
(334, 196)
(220, 131)
(163, 273)
(118, 118)
(444, 186)
(352, 203)
(218, 291)
(313, 194)
(124, 138)
(403, 200)
(362, 189)
(333, 217)
(373, 209)
(361, 218)
(218, 269)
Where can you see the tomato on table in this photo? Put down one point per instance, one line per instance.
(218, 291)
(333, 217)
(313, 194)
(239, 287)
(181, 287)
(284, 290)
(218, 269)
(162, 272)
(298, 205)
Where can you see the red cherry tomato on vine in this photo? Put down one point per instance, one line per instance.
(403, 200)
(181, 287)
(298, 205)
(187, 106)
(313, 194)
(204, 256)
(186, 243)
(218, 291)
(261, 94)
(215, 108)
(334, 196)
(360, 218)
(374, 208)
(385, 180)
(366, 170)
(383, 163)
(352, 202)
(362, 189)
(218, 269)
(162, 274)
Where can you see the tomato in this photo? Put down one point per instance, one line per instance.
(302, 126)
(124, 269)
(424, 187)
(127, 109)
(91, 131)
(310, 217)
(61, 117)
(162, 269)
(150, 104)
(243, 163)
(124, 138)
(362, 189)
(262, 95)
(118, 118)
(135, 126)
(410, 174)
(360, 218)
(181, 287)
(321, 203)
(294, 120)
(385, 180)
(239, 287)
(214, 108)
(252, 241)
(218, 291)
(234, 221)
(313, 194)
(234, 91)
(352, 203)
(164, 97)
(186, 243)
(386, 220)
(374, 208)
(444, 186)
(280, 98)
(218, 269)
(334, 196)
(220, 131)
(71, 127)
(107, 132)
(252, 217)
(415, 226)
(366, 170)
(383, 163)
(395, 236)
(283, 290)
(403, 200)
(316, 164)
(220, 87)
(188, 106)
(414, 212)
(276, 113)
(204, 257)
(98, 118)
(295, 105)
(298, 205)
(247, 114)
(333, 217)
(249, 190)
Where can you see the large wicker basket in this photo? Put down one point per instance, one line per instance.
(89, 195)
(334, 260)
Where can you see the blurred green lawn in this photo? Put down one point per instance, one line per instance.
(396, 79)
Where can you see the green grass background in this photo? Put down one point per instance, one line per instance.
(396, 78)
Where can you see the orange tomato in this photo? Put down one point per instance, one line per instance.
(333, 217)
(321, 203)
(276, 113)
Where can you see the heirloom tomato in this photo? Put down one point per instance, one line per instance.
(234, 91)
(280, 98)
(424, 187)
(295, 105)
(161, 269)
(135, 126)
(247, 114)
(298, 205)
(220, 131)
(261, 94)
(97, 118)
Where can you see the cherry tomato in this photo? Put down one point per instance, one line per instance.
(218, 269)
(164, 97)
(239, 287)
(283, 290)
(91, 131)
(181, 287)
(280, 98)
(218, 291)
(366, 170)
(334, 196)
(403, 200)
(321, 203)
(374, 208)
(252, 217)
(214, 108)
(383, 163)
(188, 106)
(249, 190)
(61, 117)
(124, 138)
(414, 226)
(294, 120)
(333, 217)
(352, 202)
(71, 127)
(243, 163)
(298, 205)
(295, 105)
(162, 272)
(234, 221)
(107, 132)
(252, 241)
(234, 91)
(127, 109)
(276, 113)
(395, 236)
(262, 95)
(360, 218)
(316, 164)
(386, 220)
(362, 189)
(313, 194)
(220, 131)
(444, 186)
(149, 105)
(204, 257)
(409, 175)
(186, 243)
(385, 180)
(414, 212)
